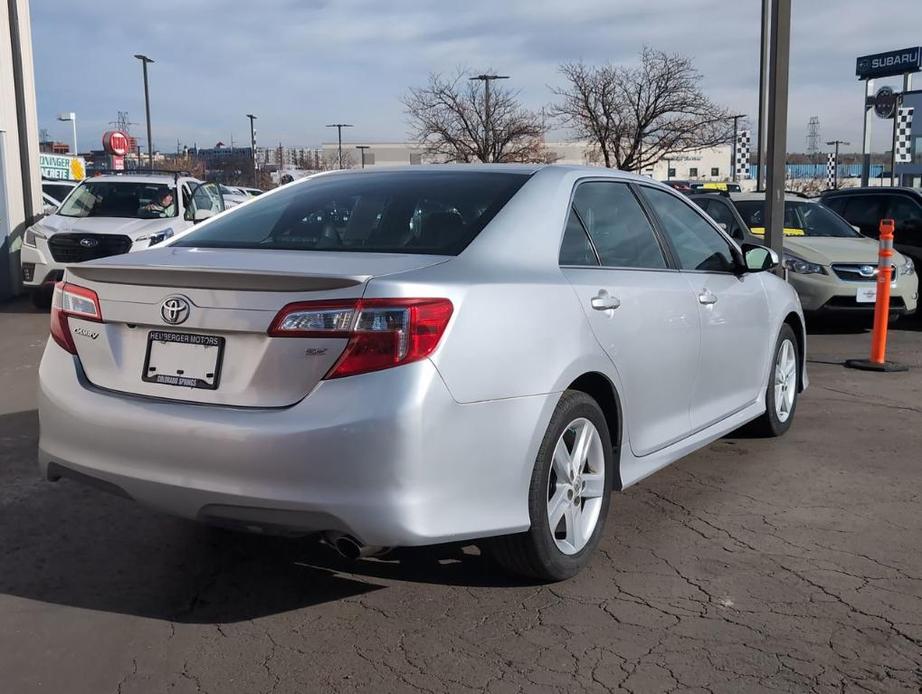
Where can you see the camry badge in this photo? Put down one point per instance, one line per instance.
(174, 310)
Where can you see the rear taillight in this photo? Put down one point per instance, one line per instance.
(71, 300)
(382, 332)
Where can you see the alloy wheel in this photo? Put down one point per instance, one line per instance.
(785, 380)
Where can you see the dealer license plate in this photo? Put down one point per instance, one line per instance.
(183, 359)
(866, 295)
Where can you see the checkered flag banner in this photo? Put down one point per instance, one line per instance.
(741, 165)
(831, 169)
(903, 148)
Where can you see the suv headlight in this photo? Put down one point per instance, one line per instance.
(160, 237)
(28, 239)
(907, 268)
(801, 266)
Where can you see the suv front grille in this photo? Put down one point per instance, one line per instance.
(76, 248)
(857, 272)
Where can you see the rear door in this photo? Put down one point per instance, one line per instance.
(733, 310)
(641, 311)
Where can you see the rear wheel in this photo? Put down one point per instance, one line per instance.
(568, 497)
(783, 386)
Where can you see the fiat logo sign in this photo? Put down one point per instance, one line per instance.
(115, 142)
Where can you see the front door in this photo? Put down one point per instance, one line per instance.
(732, 306)
(641, 311)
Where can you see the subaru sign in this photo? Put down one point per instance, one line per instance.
(889, 64)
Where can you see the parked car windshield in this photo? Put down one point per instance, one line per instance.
(800, 219)
(434, 212)
(121, 199)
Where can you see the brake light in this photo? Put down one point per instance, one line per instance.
(382, 332)
(71, 300)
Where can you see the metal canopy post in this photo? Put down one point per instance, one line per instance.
(763, 117)
(777, 108)
(866, 137)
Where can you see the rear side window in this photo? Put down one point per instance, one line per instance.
(434, 212)
(576, 248)
(617, 225)
(697, 244)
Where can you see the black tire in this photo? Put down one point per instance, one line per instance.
(41, 298)
(769, 424)
(534, 553)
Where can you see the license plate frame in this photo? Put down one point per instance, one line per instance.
(866, 295)
(165, 337)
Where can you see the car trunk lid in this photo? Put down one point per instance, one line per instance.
(191, 324)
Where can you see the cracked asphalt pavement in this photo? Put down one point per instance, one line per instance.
(792, 564)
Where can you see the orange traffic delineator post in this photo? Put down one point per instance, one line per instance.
(878, 360)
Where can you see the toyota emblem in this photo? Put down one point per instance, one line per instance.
(89, 243)
(175, 310)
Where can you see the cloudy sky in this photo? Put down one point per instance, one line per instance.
(299, 64)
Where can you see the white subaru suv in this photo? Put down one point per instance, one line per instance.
(110, 215)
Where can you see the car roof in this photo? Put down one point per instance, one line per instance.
(788, 197)
(138, 178)
(873, 189)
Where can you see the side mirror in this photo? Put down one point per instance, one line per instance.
(759, 258)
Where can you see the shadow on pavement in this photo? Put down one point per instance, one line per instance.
(67, 544)
(20, 304)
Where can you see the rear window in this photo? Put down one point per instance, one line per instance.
(437, 213)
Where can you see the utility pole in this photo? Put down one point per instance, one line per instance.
(253, 148)
(777, 110)
(150, 142)
(763, 93)
(736, 119)
(835, 170)
(487, 115)
(362, 148)
(339, 132)
(813, 140)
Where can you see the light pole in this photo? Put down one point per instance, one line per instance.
(362, 149)
(487, 116)
(72, 117)
(253, 148)
(150, 143)
(736, 119)
(835, 169)
(339, 131)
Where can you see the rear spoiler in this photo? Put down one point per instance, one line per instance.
(212, 278)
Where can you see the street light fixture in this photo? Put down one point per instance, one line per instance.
(339, 131)
(72, 117)
(362, 148)
(253, 148)
(835, 169)
(487, 116)
(150, 143)
(736, 119)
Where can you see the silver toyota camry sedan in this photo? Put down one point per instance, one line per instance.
(421, 355)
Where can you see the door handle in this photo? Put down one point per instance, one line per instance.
(604, 302)
(707, 297)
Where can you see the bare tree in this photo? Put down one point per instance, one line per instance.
(450, 121)
(636, 115)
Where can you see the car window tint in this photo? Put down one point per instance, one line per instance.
(720, 213)
(435, 212)
(616, 222)
(865, 211)
(837, 205)
(697, 244)
(908, 217)
(576, 248)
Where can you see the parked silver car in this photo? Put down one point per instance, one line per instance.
(420, 355)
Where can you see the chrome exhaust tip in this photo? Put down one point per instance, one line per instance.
(350, 548)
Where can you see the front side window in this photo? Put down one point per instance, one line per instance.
(436, 213)
(617, 225)
(121, 199)
(697, 244)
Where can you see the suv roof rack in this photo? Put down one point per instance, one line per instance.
(137, 172)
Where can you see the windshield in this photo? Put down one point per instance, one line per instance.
(801, 218)
(120, 199)
(436, 213)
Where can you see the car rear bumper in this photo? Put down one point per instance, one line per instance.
(387, 457)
